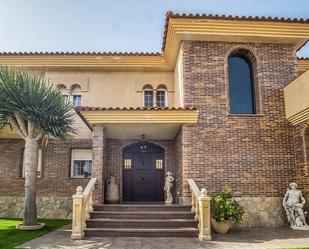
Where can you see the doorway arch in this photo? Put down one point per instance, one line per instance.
(143, 172)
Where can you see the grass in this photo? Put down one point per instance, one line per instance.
(11, 237)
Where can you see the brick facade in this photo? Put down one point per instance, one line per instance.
(252, 154)
(256, 155)
(301, 145)
(56, 180)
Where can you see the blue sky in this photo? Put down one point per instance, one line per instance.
(115, 25)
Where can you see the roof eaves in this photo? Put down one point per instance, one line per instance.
(171, 14)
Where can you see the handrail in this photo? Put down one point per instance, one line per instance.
(200, 203)
(89, 186)
(194, 188)
(82, 205)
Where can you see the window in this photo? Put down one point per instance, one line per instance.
(127, 163)
(241, 86)
(40, 164)
(77, 100)
(161, 98)
(66, 98)
(148, 98)
(81, 163)
(159, 164)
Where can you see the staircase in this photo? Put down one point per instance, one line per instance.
(141, 220)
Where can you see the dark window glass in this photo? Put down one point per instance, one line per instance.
(148, 98)
(240, 86)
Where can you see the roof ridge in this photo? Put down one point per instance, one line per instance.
(85, 53)
(302, 58)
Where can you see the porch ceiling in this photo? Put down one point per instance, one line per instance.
(132, 123)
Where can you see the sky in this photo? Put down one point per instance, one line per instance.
(115, 25)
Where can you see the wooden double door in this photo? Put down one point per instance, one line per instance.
(143, 173)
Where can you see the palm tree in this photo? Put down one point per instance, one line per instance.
(34, 109)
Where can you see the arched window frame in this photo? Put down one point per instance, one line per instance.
(251, 59)
(76, 96)
(146, 102)
(159, 90)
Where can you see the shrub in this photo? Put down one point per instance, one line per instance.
(224, 207)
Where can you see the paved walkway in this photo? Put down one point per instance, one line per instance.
(255, 238)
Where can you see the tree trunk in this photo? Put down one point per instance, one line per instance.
(30, 166)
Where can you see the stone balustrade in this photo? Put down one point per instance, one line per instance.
(82, 206)
(200, 203)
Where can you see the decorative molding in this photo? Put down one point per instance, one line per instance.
(140, 116)
(303, 64)
(299, 117)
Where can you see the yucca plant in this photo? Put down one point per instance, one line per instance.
(33, 109)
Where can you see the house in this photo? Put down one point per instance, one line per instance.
(210, 107)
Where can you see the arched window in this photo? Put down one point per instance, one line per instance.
(148, 96)
(241, 85)
(161, 97)
(76, 95)
(64, 91)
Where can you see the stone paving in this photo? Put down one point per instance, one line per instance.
(254, 238)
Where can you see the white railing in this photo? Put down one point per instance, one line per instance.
(201, 207)
(82, 205)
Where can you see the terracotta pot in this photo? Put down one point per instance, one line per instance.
(222, 226)
(112, 190)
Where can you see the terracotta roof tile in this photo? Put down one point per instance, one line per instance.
(85, 53)
(171, 14)
(89, 108)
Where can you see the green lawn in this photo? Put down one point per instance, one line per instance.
(10, 237)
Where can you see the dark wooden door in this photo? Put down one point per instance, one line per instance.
(143, 173)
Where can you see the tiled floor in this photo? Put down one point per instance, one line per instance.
(255, 238)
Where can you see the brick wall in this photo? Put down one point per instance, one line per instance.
(301, 144)
(252, 154)
(56, 179)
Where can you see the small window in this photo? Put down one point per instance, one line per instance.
(148, 98)
(66, 98)
(81, 163)
(159, 164)
(127, 163)
(77, 100)
(39, 171)
(161, 98)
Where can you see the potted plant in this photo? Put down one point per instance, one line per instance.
(225, 211)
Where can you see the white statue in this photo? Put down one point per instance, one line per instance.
(167, 187)
(293, 203)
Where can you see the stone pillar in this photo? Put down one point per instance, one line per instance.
(98, 161)
(204, 216)
(78, 218)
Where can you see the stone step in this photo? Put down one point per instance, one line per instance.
(140, 223)
(140, 207)
(141, 232)
(148, 215)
